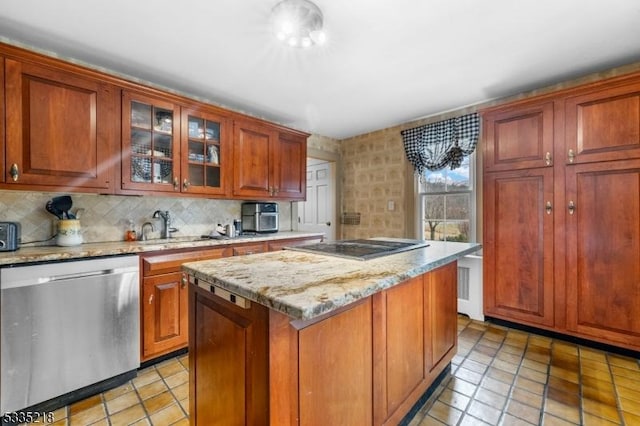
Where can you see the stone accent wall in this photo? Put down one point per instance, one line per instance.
(106, 217)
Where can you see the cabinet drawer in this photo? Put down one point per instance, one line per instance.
(250, 249)
(165, 263)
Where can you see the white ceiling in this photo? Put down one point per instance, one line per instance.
(385, 63)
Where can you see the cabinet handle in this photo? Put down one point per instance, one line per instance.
(548, 207)
(548, 159)
(176, 184)
(572, 156)
(184, 280)
(14, 172)
(572, 207)
(185, 184)
(151, 299)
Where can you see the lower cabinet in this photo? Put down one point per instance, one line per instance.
(365, 364)
(228, 354)
(603, 245)
(164, 310)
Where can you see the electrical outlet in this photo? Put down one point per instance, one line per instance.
(391, 205)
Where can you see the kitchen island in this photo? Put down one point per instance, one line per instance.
(298, 338)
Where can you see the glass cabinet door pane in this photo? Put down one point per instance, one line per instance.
(196, 151)
(163, 120)
(213, 131)
(140, 115)
(196, 128)
(140, 141)
(162, 146)
(196, 175)
(162, 171)
(213, 176)
(141, 169)
(213, 154)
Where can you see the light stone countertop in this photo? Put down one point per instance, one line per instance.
(304, 285)
(55, 253)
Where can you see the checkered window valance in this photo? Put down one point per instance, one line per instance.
(445, 143)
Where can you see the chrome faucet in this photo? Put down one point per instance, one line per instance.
(143, 234)
(166, 218)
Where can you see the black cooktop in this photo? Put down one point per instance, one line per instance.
(363, 249)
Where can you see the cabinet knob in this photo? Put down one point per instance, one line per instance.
(548, 207)
(184, 280)
(14, 172)
(186, 184)
(572, 156)
(548, 159)
(151, 299)
(572, 207)
(176, 184)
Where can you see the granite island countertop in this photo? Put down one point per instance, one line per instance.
(304, 285)
(55, 253)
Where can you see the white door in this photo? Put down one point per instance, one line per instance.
(318, 214)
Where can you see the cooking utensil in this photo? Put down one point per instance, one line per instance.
(53, 209)
(63, 203)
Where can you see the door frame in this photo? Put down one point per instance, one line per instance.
(335, 158)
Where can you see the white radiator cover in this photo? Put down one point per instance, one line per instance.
(470, 287)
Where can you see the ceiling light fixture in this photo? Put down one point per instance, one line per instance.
(298, 23)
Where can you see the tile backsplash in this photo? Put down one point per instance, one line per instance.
(106, 217)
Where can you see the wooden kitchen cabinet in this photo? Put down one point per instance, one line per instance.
(206, 152)
(164, 310)
(518, 245)
(150, 143)
(603, 249)
(61, 129)
(268, 163)
(560, 239)
(366, 363)
(518, 137)
(415, 338)
(2, 108)
(228, 362)
(603, 124)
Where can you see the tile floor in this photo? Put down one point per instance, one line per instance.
(500, 376)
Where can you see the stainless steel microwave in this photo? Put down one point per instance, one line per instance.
(259, 217)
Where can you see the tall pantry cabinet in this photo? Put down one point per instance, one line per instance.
(562, 211)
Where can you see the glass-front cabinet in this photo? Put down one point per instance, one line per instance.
(172, 148)
(150, 138)
(206, 152)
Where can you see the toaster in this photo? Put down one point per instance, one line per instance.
(9, 236)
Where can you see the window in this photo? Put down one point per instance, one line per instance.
(447, 203)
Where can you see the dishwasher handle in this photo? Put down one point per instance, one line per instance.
(53, 278)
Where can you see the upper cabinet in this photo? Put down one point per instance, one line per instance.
(60, 129)
(150, 144)
(206, 152)
(519, 137)
(268, 163)
(65, 127)
(603, 125)
(171, 148)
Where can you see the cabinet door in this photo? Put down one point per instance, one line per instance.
(150, 144)
(2, 116)
(603, 265)
(518, 246)
(519, 138)
(603, 125)
(405, 340)
(60, 130)
(252, 160)
(290, 167)
(206, 152)
(165, 316)
(441, 318)
(228, 362)
(335, 369)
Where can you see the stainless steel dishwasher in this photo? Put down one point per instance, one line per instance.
(66, 326)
